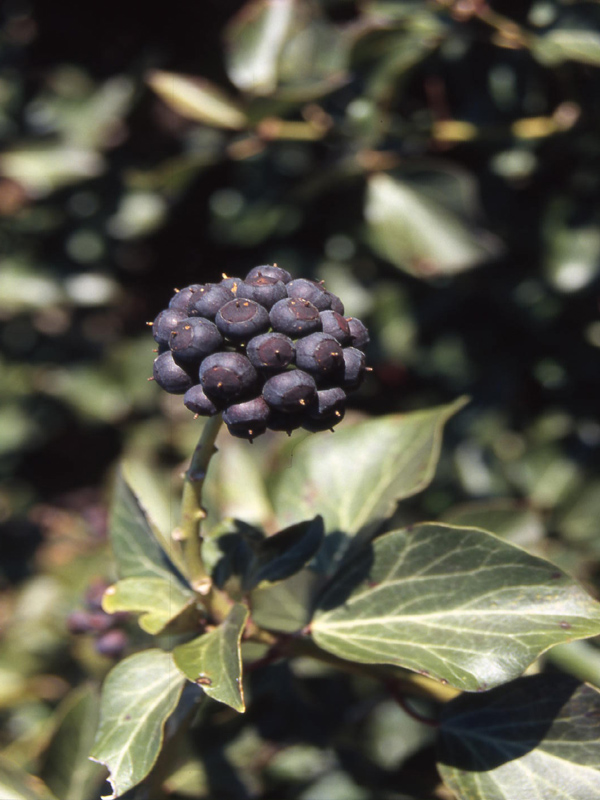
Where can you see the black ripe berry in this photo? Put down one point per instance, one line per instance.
(303, 289)
(337, 326)
(295, 317)
(262, 289)
(164, 323)
(270, 272)
(354, 368)
(208, 299)
(170, 376)
(359, 335)
(290, 392)
(197, 401)
(181, 299)
(227, 377)
(240, 320)
(320, 354)
(335, 304)
(193, 339)
(231, 284)
(249, 419)
(271, 352)
(328, 410)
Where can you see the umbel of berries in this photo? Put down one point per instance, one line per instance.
(266, 351)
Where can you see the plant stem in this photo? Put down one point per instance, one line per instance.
(580, 659)
(192, 512)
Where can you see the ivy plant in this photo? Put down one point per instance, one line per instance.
(443, 615)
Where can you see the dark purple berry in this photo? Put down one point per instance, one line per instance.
(79, 622)
(359, 335)
(240, 320)
(164, 323)
(303, 289)
(271, 272)
(354, 368)
(194, 338)
(271, 352)
(227, 377)
(112, 643)
(320, 354)
(170, 376)
(208, 299)
(231, 284)
(329, 403)
(247, 420)
(290, 392)
(262, 289)
(196, 400)
(295, 317)
(335, 325)
(335, 304)
(181, 298)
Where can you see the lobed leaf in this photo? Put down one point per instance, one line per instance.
(538, 736)
(139, 695)
(159, 600)
(356, 481)
(214, 662)
(457, 604)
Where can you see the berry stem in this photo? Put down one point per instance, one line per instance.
(192, 512)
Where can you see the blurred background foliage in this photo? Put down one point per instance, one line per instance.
(437, 163)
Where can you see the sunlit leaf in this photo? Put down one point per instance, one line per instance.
(159, 600)
(458, 604)
(41, 170)
(418, 234)
(213, 660)
(138, 696)
(286, 606)
(197, 99)
(561, 44)
(285, 47)
(67, 770)
(535, 737)
(355, 481)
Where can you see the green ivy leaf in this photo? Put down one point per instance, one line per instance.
(197, 99)
(562, 44)
(139, 695)
(134, 545)
(160, 600)
(214, 662)
(536, 737)
(287, 48)
(400, 219)
(67, 770)
(279, 556)
(153, 498)
(508, 519)
(286, 606)
(356, 481)
(458, 604)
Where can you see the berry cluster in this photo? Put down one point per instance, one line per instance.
(267, 351)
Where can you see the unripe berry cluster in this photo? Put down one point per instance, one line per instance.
(266, 351)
